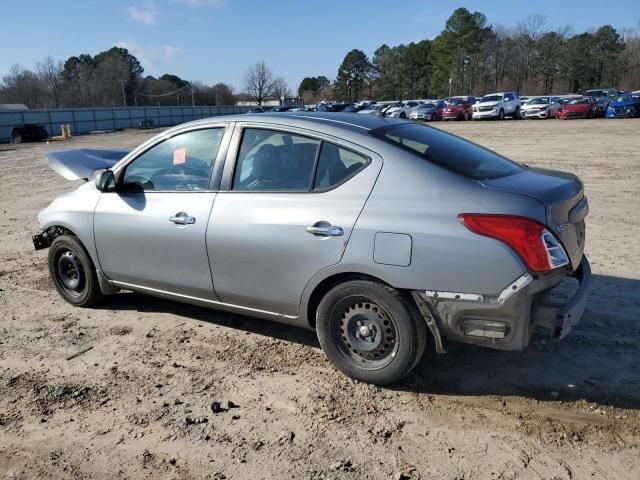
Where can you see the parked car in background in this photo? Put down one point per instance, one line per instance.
(29, 132)
(581, 107)
(401, 109)
(430, 111)
(624, 106)
(603, 96)
(451, 241)
(497, 105)
(458, 108)
(375, 109)
(258, 109)
(354, 108)
(282, 108)
(541, 107)
(333, 107)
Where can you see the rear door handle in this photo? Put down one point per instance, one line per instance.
(325, 230)
(182, 218)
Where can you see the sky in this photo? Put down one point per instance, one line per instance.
(217, 40)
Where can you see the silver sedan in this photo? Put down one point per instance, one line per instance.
(382, 235)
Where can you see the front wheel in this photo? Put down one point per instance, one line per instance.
(73, 272)
(403, 115)
(501, 114)
(466, 116)
(370, 331)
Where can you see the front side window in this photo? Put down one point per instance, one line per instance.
(181, 163)
(272, 160)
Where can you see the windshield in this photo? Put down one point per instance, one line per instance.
(456, 102)
(596, 93)
(624, 98)
(428, 106)
(448, 151)
(491, 98)
(539, 101)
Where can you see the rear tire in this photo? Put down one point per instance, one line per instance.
(501, 114)
(370, 331)
(402, 115)
(73, 272)
(466, 116)
(16, 137)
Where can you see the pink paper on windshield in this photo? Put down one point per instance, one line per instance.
(179, 156)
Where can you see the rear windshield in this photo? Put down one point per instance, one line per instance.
(448, 151)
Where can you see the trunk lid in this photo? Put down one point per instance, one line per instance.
(562, 194)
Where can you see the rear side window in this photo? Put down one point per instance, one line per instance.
(448, 151)
(335, 164)
(272, 160)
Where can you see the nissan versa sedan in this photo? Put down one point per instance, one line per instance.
(382, 235)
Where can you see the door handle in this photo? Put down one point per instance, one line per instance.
(325, 230)
(182, 218)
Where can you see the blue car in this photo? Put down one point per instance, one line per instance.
(624, 106)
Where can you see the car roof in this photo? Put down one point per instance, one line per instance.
(353, 122)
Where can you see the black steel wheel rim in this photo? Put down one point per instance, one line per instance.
(70, 272)
(365, 333)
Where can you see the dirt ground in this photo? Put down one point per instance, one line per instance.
(139, 403)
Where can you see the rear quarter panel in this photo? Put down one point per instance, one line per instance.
(416, 198)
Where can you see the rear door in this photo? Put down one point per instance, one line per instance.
(151, 232)
(289, 201)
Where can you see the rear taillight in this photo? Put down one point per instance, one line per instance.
(538, 248)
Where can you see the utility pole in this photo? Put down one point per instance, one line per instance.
(124, 97)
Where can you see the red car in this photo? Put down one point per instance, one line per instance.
(581, 107)
(458, 108)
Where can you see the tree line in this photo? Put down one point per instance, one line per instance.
(471, 57)
(113, 78)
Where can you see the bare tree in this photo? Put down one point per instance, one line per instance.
(51, 73)
(259, 82)
(22, 85)
(281, 89)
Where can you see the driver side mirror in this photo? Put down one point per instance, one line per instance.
(106, 181)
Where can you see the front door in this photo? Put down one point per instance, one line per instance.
(151, 231)
(288, 211)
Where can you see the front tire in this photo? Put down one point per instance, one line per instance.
(73, 272)
(466, 116)
(370, 331)
(501, 114)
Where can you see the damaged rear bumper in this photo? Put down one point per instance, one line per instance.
(561, 319)
(507, 320)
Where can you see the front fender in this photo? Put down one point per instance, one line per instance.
(74, 211)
